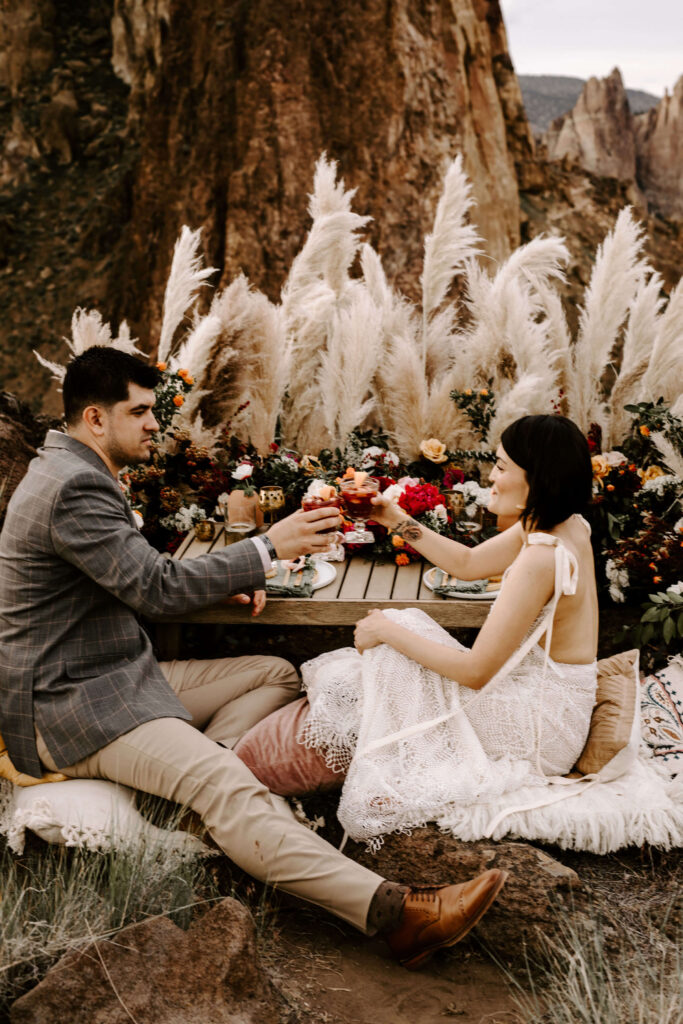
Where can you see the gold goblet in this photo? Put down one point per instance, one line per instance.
(271, 498)
(204, 530)
(455, 500)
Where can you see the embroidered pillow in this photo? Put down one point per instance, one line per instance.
(615, 723)
(661, 704)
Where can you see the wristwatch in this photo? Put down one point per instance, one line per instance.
(269, 545)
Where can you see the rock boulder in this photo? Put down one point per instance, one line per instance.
(155, 973)
(527, 909)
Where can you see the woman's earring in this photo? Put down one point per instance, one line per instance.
(521, 507)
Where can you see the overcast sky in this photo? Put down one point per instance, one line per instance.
(643, 38)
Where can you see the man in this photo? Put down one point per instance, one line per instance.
(81, 692)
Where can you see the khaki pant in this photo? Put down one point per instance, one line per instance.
(255, 828)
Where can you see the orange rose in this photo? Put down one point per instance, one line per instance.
(398, 542)
(645, 431)
(610, 487)
(402, 560)
(161, 366)
(178, 400)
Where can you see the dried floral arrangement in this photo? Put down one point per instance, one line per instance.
(344, 370)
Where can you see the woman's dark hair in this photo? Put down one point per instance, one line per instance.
(100, 376)
(554, 454)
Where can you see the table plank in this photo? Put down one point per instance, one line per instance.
(356, 579)
(424, 593)
(407, 582)
(331, 591)
(381, 581)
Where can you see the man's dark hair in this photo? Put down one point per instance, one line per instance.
(555, 456)
(100, 376)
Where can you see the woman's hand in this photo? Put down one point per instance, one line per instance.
(386, 512)
(371, 630)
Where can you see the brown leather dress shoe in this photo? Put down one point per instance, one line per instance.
(434, 916)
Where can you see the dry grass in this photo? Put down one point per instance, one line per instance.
(621, 963)
(56, 899)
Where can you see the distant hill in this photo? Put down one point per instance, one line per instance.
(548, 96)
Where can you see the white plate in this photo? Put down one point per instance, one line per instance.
(488, 595)
(326, 573)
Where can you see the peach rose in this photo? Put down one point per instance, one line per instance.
(651, 473)
(600, 467)
(434, 450)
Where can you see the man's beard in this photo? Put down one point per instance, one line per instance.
(120, 456)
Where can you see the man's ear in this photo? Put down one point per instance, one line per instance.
(92, 417)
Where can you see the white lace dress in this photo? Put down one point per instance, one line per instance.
(418, 747)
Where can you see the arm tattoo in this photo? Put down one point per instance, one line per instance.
(409, 530)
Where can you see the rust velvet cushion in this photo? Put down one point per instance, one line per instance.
(288, 768)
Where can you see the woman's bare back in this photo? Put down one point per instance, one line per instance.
(575, 629)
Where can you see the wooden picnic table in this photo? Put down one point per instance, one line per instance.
(361, 584)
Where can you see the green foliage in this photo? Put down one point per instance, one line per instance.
(170, 396)
(479, 405)
(650, 418)
(662, 621)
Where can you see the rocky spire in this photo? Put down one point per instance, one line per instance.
(659, 149)
(598, 133)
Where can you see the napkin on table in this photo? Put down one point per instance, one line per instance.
(276, 586)
(455, 587)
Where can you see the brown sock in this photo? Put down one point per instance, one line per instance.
(384, 912)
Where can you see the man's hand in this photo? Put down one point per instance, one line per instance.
(258, 598)
(299, 534)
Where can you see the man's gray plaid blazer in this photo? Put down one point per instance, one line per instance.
(74, 573)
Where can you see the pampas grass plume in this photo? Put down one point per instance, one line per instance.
(186, 277)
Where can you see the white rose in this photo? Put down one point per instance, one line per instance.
(139, 521)
(370, 456)
(313, 489)
(441, 513)
(243, 471)
(614, 458)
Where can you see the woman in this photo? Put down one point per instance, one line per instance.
(426, 726)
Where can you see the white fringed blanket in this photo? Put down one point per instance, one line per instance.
(415, 754)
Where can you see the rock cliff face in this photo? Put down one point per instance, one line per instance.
(603, 137)
(232, 125)
(121, 120)
(659, 147)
